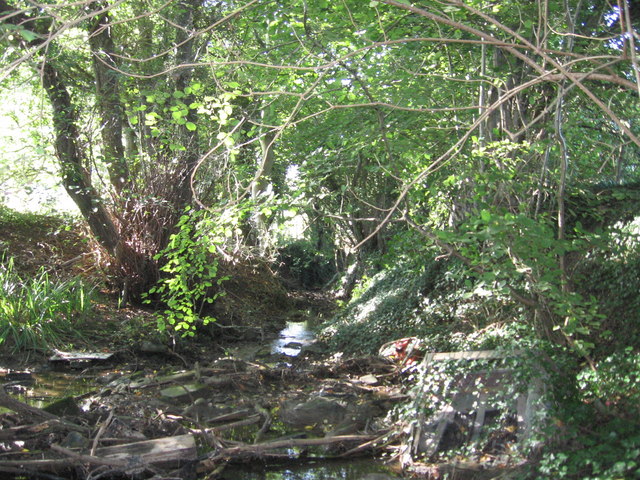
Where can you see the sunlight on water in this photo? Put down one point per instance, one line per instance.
(355, 469)
(292, 338)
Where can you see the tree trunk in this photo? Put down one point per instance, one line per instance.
(260, 187)
(186, 54)
(108, 102)
(75, 177)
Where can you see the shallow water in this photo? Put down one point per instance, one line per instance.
(293, 338)
(354, 469)
(41, 389)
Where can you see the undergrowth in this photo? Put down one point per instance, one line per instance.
(591, 409)
(430, 301)
(41, 312)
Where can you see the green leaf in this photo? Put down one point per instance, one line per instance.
(191, 126)
(28, 35)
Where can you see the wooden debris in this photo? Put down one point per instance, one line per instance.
(22, 408)
(477, 393)
(53, 421)
(260, 450)
(165, 452)
(60, 356)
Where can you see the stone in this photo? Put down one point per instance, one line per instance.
(316, 411)
(368, 379)
(183, 392)
(66, 406)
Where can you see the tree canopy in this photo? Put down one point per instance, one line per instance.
(490, 130)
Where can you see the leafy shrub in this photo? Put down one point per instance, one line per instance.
(39, 313)
(613, 278)
(596, 443)
(435, 386)
(191, 270)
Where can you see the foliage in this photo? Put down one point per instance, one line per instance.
(615, 380)
(434, 386)
(612, 275)
(477, 129)
(40, 312)
(303, 263)
(191, 273)
(610, 451)
(428, 299)
(595, 420)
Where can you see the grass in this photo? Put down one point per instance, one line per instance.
(41, 312)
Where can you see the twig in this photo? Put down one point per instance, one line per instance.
(267, 422)
(372, 443)
(80, 458)
(101, 431)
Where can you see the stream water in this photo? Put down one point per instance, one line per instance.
(293, 338)
(41, 389)
(355, 469)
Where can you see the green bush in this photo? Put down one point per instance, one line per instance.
(190, 272)
(41, 312)
(614, 280)
(598, 423)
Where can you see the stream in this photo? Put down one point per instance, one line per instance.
(40, 389)
(293, 338)
(354, 469)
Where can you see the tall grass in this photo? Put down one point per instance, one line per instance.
(39, 313)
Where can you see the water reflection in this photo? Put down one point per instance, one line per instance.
(40, 389)
(292, 338)
(355, 469)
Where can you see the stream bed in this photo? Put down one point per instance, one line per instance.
(40, 389)
(229, 386)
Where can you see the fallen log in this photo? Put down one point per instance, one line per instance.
(80, 458)
(243, 452)
(180, 377)
(230, 416)
(22, 408)
(22, 432)
(35, 465)
(161, 452)
(166, 451)
(379, 442)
